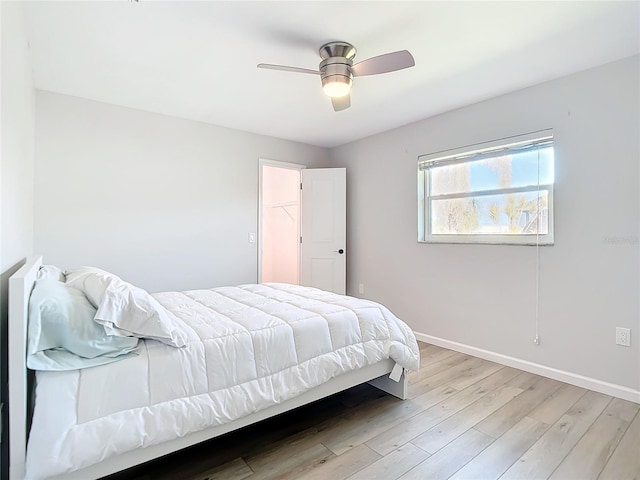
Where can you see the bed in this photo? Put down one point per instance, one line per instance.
(245, 353)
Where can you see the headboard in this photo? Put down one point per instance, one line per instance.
(20, 286)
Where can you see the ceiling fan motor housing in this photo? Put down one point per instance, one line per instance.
(336, 64)
(336, 70)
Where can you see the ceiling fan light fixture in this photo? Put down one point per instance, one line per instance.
(336, 86)
(337, 70)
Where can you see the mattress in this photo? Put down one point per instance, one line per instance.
(249, 347)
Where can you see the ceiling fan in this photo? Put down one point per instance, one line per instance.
(337, 70)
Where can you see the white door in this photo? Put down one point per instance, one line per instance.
(324, 229)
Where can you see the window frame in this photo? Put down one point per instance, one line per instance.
(469, 154)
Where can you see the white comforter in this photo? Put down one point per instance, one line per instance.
(250, 347)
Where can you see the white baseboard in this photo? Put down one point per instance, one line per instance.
(612, 389)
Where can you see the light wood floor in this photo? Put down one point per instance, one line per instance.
(466, 418)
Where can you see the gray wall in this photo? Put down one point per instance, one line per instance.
(482, 295)
(16, 173)
(17, 164)
(163, 202)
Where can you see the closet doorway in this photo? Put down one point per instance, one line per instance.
(279, 222)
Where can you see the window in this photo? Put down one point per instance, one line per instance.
(498, 192)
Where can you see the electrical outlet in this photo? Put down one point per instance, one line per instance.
(361, 288)
(623, 336)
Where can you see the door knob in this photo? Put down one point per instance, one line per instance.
(341, 251)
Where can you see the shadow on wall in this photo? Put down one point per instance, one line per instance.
(4, 348)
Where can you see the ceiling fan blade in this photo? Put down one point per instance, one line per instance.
(389, 62)
(341, 103)
(284, 68)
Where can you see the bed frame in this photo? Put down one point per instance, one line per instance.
(385, 375)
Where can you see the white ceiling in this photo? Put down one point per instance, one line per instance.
(197, 60)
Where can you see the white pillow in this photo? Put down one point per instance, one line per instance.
(92, 281)
(125, 310)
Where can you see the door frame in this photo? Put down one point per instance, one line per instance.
(262, 162)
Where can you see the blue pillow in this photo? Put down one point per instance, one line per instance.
(62, 334)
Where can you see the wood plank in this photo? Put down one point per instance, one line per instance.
(392, 438)
(475, 374)
(448, 460)
(438, 366)
(503, 419)
(423, 345)
(444, 377)
(625, 460)
(591, 453)
(435, 354)
(410, 428)
(427, 349)
(438, 436)
(393, 465)
(356, 415)
(557, 404)
(277, 465)
(337, 466)
(432, 397)
(623, 410)
(365, 425)
(590, 406)
(296, 444)
(500, 455)
(234, 470)
(547, 453)
(525, 380)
